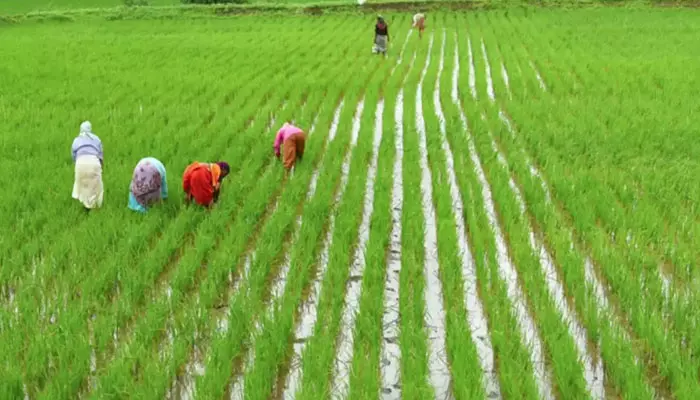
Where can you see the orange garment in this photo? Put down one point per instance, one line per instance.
(292, 148)
(201, 181)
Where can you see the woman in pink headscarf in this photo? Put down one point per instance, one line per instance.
(292, 140)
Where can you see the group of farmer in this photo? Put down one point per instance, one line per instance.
(381, 32)
(201, 181)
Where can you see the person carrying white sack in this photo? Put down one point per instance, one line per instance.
(88, 158)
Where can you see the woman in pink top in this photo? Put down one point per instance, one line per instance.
(292, 139)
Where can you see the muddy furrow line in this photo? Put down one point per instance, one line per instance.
(163, 287)
(508, 272)
(262, 211)
(472, 70)
(599, 290)
(637, 299)
(435, 311)
(293, 377)
(344, 351)
(237, 387)
(403, 49)
(506, 79)
(473, 304)
(308, 308)
(183, 387)
(391, 351)
(489, 80)
(285, 101)
(172, 260)
(593, 371)
(307, 320)
(221, 321)
(667, 281)
(102, 278)
(588, 356)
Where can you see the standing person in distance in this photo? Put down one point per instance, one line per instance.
(419, 23)
(292, 140)
(381, 36)
(88, 158)
(202, 182)
(148, 185)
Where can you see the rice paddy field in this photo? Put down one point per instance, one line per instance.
(505, 208)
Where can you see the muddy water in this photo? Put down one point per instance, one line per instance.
(534, 171)
(665, 283)
(391, 351)
(331, 135)
(509, 275)
(506, 80)
(344, 353)
(472, 70)
(279, 285)
(403, 48)
(543, 86)
(434, 313)
(475, 310)
(308, 308)
(93, 355)
(593, 375)
(489, 79)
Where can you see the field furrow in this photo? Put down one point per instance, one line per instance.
(502, 206)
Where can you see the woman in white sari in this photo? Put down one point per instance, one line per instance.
(88, 157)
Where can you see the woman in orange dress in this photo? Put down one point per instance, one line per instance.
(202, 182)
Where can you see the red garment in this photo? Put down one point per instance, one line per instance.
(201, 181)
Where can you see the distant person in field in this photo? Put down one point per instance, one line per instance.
(202, 182)
(381, 36)
(419, 23)
(88, 158)
(148, 184)
(292, 140)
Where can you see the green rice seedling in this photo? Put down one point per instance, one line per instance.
(366, 379)
(252, 215)
(467, 373)
(412, 335)
(271, 233)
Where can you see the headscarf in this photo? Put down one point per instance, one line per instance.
(225, 169)
(86, 130)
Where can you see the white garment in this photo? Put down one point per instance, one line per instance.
(417, 18)
(88, 187)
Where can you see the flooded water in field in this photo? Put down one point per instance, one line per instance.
(391, 351)
(308, 308)
(344, 353)
(665, 283)
(336, 121)
(509, 275)
(435, 311)
(489, 79)
(543, 86)
(506, 81)
(403, 49)
(472, 70)
(534, 171)
(93, 356)
(593, 375)
(331, 135)
(475, 309)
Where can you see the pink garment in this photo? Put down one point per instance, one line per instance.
(286, 131)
